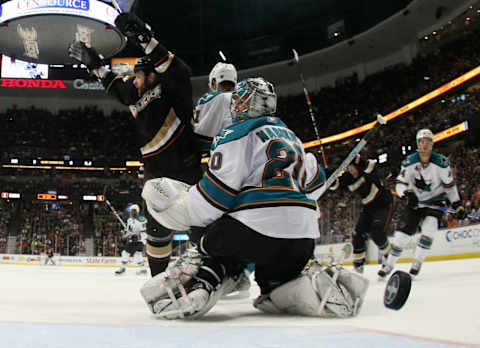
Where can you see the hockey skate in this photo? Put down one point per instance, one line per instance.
(415, 269)
(240, 287)
(120, 271)
(359, 268)
(384, 271)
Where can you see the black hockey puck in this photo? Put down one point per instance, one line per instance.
(397, 290)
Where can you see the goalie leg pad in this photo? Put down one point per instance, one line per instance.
(339, 301)
(356, 285)
(294, 297)
(187, 289)
(303, 295)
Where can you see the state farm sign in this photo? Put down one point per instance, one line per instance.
(27, 83)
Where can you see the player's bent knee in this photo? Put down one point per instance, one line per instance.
(303, 295)
(294, 297)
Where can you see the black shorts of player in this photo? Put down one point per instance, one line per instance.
(277, 260)
(374, 222)
(411, 219)
(132, 247)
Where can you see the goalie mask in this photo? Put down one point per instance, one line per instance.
(253, 97)
(222, 72)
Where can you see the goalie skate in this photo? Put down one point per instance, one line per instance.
(238, 288)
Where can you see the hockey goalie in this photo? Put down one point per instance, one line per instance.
(253, 205)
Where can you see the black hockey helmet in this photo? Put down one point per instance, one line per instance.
(145, 64)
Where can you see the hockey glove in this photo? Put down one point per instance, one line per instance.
(85, 55)
(134, 28)
(411, 199)
(459, 209)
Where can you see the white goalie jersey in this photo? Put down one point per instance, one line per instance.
(432, 184)
(211, 115)
(257, 175)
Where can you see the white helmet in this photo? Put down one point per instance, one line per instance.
(424, 133)
(222, 72)
(134, 207)
(253, 97)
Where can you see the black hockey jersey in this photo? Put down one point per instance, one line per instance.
(367, 185)
(163, 118)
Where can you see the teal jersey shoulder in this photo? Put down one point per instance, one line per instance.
(440, 160)
(436, 158)
(241, 129)
(141, 218)
(207, 97)
(411, 159)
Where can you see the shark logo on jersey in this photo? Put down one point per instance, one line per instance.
(223, 134)
(421, 184)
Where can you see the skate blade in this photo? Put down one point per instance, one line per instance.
(236, 295)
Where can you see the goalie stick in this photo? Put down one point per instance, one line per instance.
(351, 156)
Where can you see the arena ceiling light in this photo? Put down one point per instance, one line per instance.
(41, 30)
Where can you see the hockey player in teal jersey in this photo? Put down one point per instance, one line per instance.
(212, 112)
(251, 205)
(134, 241)
(425, 182)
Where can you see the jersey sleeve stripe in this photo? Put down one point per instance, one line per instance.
(209, 197)
(401, 182)
(171, 129)
(220, 184)
(317, 181)
(437, 199)
(163, 63)
(450, 185)
(262, 197)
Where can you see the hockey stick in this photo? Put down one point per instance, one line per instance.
(309, 104)
(117, 7)
(222, 56)
(113, 209)
(351, 156)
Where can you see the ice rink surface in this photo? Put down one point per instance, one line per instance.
(50, 307)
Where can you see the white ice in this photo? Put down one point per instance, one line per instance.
(50, 307)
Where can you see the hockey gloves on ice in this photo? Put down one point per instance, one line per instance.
(411, 199)
(134, 28)
(85, 55)
(460, 210)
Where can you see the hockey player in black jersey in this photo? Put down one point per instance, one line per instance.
(160, 100)
(362, 179)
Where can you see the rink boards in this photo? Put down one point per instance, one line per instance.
(449, 243)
